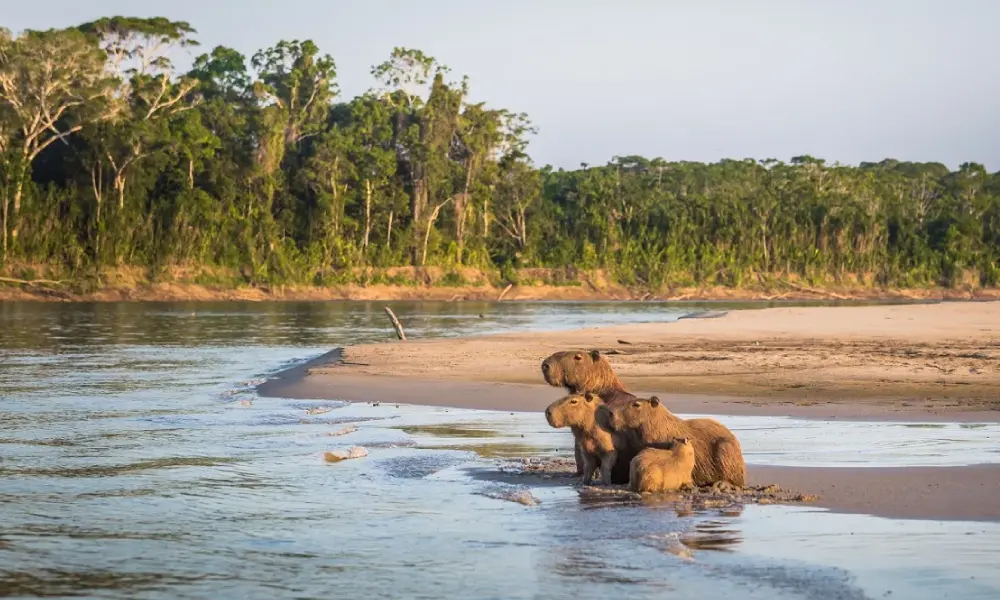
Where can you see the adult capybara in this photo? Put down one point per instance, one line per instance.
(581, 372)
(664, 468)
(646, 421)
(595, 443)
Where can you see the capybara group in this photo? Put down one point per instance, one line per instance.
(663, 468)
(644, 422)
(594, 443)
(636, 423)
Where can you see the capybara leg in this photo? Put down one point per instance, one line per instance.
(619, 473)
(607, 466)
(633, 476)
(729, 458)
(589, 466)
(578, 455)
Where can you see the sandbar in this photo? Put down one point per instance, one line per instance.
(924, 362)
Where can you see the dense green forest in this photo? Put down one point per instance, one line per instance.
(110, 158)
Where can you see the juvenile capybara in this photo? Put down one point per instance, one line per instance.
(646, 421)
(581, 372)
(594, 443)
(664, 468)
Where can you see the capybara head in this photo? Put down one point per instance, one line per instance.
(580, 372)
(682, 444)
(574, 410)
(683, 448)
(630, 415)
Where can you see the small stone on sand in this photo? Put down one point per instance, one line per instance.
(344, 431)
(339, 455)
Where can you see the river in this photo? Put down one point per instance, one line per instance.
(137, 462)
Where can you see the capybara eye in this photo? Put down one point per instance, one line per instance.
(573, 401)
(637, 404)
(578, 357)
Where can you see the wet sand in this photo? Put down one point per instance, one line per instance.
(923, 363)
(939, 493)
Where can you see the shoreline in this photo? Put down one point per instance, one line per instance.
(813, 363)
(475, 291)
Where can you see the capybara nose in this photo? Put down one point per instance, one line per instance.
(545, 367)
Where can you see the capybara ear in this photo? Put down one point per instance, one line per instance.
(654, 401)
(589, 397)
(595, 355)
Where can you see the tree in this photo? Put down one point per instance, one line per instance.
(479, 135)
(137, 51)
(419, 135)
(295, 85)
(373, 157)
(298, 83)
(52, 84)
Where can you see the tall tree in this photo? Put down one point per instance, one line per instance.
(138, 55)
(52, 83)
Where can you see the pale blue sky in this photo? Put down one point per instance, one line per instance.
(846, 80)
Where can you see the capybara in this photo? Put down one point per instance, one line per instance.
(646, 421)
(581, 372)
(663, 468)
(595, 444)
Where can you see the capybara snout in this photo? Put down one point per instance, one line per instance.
(549, 373)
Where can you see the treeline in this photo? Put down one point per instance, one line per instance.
(109, 158)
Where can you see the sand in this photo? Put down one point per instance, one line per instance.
(930, 362)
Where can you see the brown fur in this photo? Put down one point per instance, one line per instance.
(595, 444)
(581, 372)
(646, 421)
(664, 468)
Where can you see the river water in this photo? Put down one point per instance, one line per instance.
(136, 461)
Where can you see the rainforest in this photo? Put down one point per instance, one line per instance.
(256, 171)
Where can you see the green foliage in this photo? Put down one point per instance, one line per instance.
(259, 169)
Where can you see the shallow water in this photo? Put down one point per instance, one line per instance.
(137, 462)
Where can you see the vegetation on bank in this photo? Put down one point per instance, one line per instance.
(111, 161)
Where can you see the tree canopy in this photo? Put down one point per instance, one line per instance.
(110, 158)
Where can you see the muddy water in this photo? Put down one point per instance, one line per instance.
(136, 462)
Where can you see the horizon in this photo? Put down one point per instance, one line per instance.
(843, 82)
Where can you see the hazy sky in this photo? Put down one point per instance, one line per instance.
(844, 80)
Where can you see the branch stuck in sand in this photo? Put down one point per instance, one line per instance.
(395, 324)
(504, 292)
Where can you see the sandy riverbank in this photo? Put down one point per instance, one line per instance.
(602, 290)
(937, 362)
